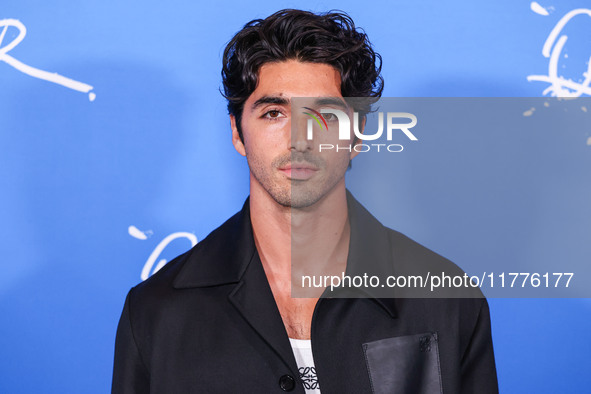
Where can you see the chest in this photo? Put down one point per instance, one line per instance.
(296, 314)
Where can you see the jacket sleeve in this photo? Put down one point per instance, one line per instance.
(479, 373)
(130, 374)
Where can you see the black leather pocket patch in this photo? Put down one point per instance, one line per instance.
(404, 365)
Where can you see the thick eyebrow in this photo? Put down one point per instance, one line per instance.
(270, 100)
(334, 101)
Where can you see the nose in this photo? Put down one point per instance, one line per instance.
(299, 134)
(300, 145)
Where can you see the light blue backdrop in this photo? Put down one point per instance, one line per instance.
(90, 188)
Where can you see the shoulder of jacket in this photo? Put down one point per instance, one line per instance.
(412, 258)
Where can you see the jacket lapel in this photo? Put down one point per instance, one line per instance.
(254, 300)
(228, 255)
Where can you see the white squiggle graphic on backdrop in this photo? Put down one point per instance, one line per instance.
(32, 71)
(560, 86)
(147, 271)
(538, 9)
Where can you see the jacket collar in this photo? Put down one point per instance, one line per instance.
(225, 255)
(222, 257)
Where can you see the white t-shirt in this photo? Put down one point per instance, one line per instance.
(302, 350)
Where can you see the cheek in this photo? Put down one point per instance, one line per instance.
(337, 161)
(263, 135)
(262, 151)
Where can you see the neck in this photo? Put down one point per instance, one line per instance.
(294, 242)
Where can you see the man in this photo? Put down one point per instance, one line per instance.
(221, 318)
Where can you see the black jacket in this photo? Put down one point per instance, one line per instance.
(207, 322)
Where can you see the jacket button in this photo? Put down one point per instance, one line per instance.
(287, 383)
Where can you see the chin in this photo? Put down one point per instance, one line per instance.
(304, 198)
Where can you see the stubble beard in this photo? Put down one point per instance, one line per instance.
(295, 194)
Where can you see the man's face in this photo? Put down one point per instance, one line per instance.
(283, 162)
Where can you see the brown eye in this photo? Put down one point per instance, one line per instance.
(273, 114)
(329, 117)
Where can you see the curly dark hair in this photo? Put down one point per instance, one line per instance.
(330, 38)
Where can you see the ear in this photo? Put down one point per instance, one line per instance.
(238, 144)
(362, 129)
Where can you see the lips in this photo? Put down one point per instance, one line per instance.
(299, 171)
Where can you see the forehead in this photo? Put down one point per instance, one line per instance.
(293, 78)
